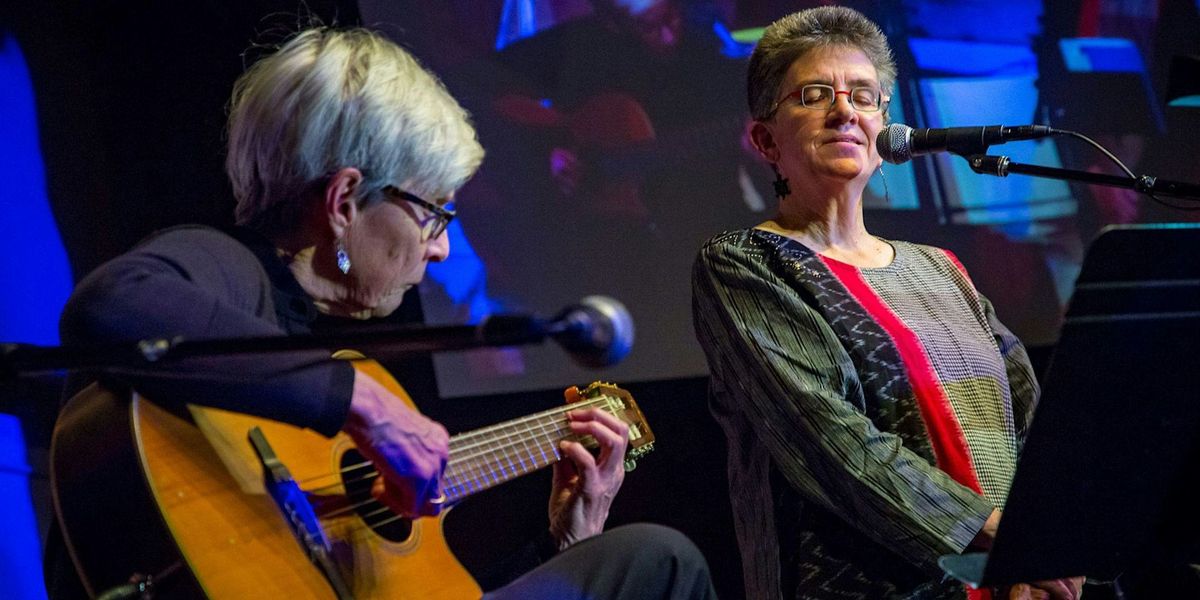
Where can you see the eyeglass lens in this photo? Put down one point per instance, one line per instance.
(439, 217)
(823, 97)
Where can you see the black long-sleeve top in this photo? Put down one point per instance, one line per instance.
(200, 283)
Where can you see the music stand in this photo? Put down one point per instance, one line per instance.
(1099, 488)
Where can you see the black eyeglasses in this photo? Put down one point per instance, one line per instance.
(436, 224)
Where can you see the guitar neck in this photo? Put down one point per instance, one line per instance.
(484, 458)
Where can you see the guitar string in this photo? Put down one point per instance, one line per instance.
(457, 467)
(585, 403)
(478, 477)
(391, 519)
(473, 475)
(515, 437)
(459, 458)
(479, 482)
(367, 528)
(348, 509)
(510, 440)
(590, 402)
(467, 467)
(479, 485)
(392, 516)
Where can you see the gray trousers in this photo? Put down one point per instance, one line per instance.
(641, 561)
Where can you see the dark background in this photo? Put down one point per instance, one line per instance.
(131, 107)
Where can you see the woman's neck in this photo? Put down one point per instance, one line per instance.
(303, 261)
(831, 225)
(823, 218)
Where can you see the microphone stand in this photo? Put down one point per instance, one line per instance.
(1001, 166)
(497, 330)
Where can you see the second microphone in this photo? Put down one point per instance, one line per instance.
(899, 143)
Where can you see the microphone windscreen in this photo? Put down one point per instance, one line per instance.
(894, 143)
(599, 331)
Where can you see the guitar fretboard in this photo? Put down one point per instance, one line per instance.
(485, 458)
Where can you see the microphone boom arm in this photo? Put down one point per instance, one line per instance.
(16, 359)
(597, 332)
(1001, 166)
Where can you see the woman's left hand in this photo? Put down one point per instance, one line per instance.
(585, 485)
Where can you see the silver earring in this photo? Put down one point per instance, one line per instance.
(343, 259)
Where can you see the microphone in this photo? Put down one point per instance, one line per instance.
(898, 143)
(596, 332)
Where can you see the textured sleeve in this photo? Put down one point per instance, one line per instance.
(785, 369)
(1022, 380)
(197, 283)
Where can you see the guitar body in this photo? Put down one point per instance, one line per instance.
(180, 495)
(139, 488)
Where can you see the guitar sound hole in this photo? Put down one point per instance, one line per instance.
(356, 476)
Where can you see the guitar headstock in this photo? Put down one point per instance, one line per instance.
(620, 403)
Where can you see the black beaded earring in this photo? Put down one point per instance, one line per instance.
(781, 184)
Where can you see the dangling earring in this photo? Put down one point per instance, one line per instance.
(343, 259)
(780, 184)
(886, 197)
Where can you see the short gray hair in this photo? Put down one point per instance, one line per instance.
(328, 99)
(795, 35)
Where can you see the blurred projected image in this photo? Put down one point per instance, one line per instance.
(615, 132)
(896, 186)
(616, 146)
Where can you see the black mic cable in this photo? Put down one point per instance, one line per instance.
(898, 143)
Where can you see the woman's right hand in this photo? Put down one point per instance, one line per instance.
(409, 449)
(1068, 588)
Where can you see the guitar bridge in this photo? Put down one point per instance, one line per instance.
(299, 514)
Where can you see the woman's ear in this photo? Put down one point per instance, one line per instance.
(340, 200)
(764, 141)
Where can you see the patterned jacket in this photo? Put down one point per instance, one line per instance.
(873, 416)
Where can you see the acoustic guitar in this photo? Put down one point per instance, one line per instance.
(205, 503)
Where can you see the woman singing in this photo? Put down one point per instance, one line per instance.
(873, 404)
